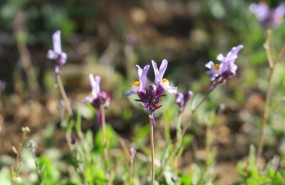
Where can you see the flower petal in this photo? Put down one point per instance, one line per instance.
(209, 65)
(95, 81)
(162, 68)
(261, 10)
(170, 89)
(220, 57)
(51, 55)
(139, 71)
(179, 98)
(280, 10)
(56, 41)
(88, 99)
(143, 78)
(130, 93)
(232, 55)
(156, 72)
(62, 59)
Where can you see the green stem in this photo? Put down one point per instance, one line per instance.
(105, 143)
(193, 112)
(152, 150)
(39, 171)
(131, 173)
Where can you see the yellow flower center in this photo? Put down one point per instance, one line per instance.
(136, 83)
(217, 66)
(164, 80)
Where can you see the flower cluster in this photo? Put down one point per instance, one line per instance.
(97, 98)
(268, 17)
(220, 72)
(150, 95)
(57, 54)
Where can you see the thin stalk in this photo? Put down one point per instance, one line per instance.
(131, 173)
(25, 59)
(179, 137)
(272, 65)
(105, 143)
(15, 170)
(152, 150)
(82, 140)
(265, 114)
(63, 94)
(39, 171)
(66, 105)
(193, 112)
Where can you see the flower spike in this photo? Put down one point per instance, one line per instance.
(266, 16)
(97, 98)
(57, 54)
(220, 72)
(150, 95)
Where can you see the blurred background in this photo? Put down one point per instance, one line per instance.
(108, 38)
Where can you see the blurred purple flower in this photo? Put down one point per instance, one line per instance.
(268, 17)
(183, 98)
(97, 98)
(131, 39)
(150, 96)
(132, 153)
(57, 54)
(226, 68)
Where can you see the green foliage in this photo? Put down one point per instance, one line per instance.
(251, 174)
(195, 176)
(112, 139)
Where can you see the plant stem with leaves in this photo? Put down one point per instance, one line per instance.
(181, 132)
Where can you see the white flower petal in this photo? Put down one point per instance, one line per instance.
(56, 41)
(220, 57)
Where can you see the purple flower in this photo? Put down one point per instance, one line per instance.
(97, 98)
(139, 85)
(159, 80)
(150, 95)
(57, 54)
(132, 153)
(183, 98)
(268, 17)
(226, 68)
